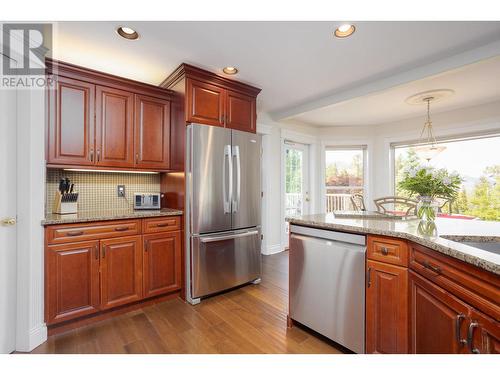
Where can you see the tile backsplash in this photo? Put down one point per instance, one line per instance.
(97, 190)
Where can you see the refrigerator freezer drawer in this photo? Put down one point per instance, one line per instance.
(224, 260)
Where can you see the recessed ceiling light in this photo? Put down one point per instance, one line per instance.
(127, 33)
(230, 70)
(345, 30)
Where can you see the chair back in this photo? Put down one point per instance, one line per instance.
(387, 206)
(358, 202)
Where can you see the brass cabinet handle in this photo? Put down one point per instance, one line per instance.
(75, 233)
(431, 267)
(384, 251)
(137, 158)
(92, 156)
(103, 252)
(8, 221)
(96, 251)
(162, 225)
(368, 277)
(458, 323)
(121, 229)
(98, 155)
(470, 336)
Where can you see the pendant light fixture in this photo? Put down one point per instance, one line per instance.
(430, 149)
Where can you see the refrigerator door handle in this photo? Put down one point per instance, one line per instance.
(228, 237)
(227, 196)
(236, 202)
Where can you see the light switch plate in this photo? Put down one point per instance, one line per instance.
(120, 190)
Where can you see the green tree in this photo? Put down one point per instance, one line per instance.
(485, 198)
(402, 163)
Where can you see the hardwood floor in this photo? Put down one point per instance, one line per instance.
(251, 319)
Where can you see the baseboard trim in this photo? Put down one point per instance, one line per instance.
(274, 249)
(37, 336)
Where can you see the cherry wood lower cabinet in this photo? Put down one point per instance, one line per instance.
(72, 281)
(386, 308)
(162, 263)
(437, 319)
(484, 334)
(94, 270)
(121, 271)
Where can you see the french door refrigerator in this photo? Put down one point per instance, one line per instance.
(223, 200)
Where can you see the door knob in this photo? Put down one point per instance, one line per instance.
(8, 221)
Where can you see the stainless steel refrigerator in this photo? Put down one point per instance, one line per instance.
(223, 200)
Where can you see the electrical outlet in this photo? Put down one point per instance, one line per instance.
(120, 190)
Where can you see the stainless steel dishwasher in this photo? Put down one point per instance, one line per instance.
(327, 284)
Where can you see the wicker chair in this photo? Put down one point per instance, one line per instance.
(381, 204)
(358, 202)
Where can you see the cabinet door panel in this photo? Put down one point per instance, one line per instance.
(71, 123)
(114, 127)
(240, 110)
(72, 281)
(162, 263)
(205, 103)
(121, 271)
(438, 320)
(152, 132)
(386, 308)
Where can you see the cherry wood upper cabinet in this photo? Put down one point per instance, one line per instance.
(162, 263)
(72, 280)
(114, 127)
(386, 308)
(438, 320)
(71, 122)
(205, 103)
(152, 132)
(212, 99)
(121, 271)
(240, 111)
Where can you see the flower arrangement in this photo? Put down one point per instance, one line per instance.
(429, 183)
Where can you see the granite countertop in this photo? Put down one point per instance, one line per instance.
(437, 238)
(101, 215)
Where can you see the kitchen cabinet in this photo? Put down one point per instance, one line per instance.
(71, 122)
(212, 99)
(121, 271)
(438, 320)
(152, 132)
(162, 263)
(94, 267)
(114, 127)
(240, 111)
(483, 333)
(205, 103)
(100, 121)
(71, 281)
(386, 308)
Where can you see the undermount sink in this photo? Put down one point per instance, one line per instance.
(491, 245)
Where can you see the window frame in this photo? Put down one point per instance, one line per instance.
(349, 147)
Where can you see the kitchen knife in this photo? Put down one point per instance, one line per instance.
(67, 185)
(61, 186)
(71, 188)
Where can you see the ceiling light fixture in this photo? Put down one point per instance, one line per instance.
(231, 70)
(127, 33)
(345, 30)
(431, 150)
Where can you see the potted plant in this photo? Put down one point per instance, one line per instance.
(428, 183)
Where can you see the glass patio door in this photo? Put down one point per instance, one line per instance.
(296, 164)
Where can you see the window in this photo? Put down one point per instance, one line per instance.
(477, 160)
(344, 176)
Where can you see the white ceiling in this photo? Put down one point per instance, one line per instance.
(293, 62)
(473, 84)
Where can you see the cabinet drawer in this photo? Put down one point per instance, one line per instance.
(57, 234)
(161, 224)
(477, 287)
(388, 250)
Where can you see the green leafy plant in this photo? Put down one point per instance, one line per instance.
(429, 183)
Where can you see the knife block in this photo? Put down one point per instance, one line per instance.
(63, 208)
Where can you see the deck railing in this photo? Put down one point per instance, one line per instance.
(338, 202)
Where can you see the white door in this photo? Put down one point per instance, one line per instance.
(8, 126)
(296, 184)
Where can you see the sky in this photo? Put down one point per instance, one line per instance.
(470, 157)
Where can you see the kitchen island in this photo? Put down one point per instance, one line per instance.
(426, 289)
